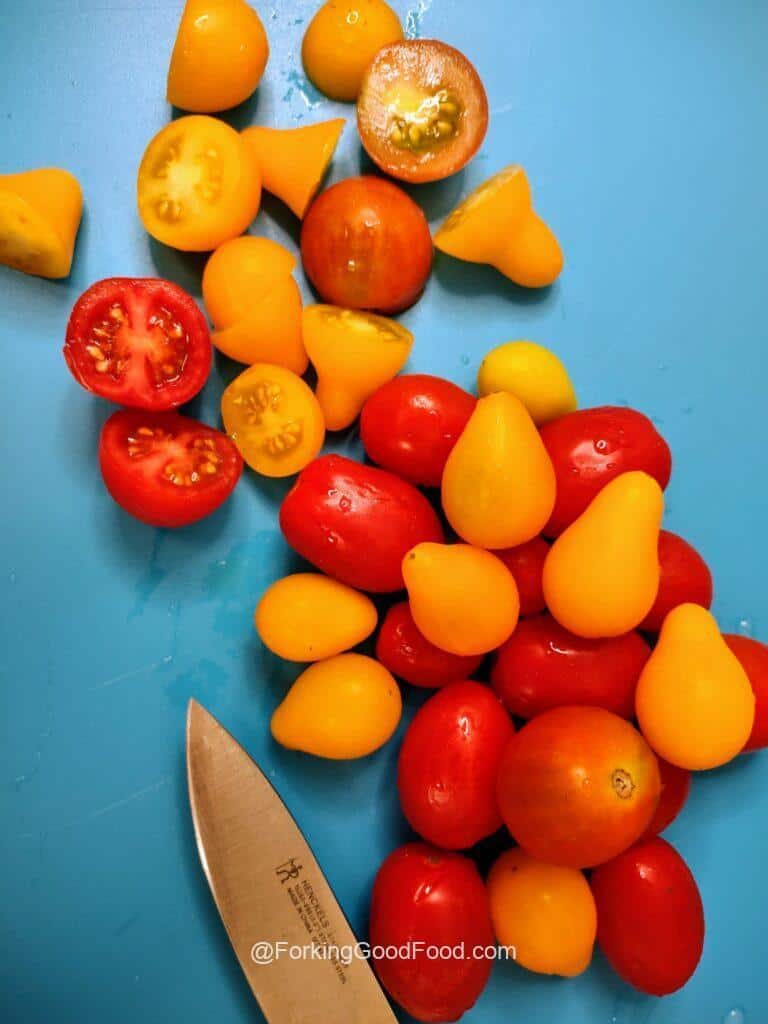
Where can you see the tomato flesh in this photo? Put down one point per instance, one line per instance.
(140, 342)
(166, 469)
(422, 111)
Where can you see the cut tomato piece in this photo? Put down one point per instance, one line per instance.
(166, 469)
(198, 185)
(422, 111)
(140, 342)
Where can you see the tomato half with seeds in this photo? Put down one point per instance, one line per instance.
(422, 110)
(166, 469)
(198, 184)
(139, 342)
(365, 244)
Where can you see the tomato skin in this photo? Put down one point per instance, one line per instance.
(675, 787)
(544, 666)
(685, 577)
(526, 563)
(139, 299)
(410, 425)
(365, 244)
(405, 651)
(422, 894)
(355, 522)
(650, 919)
(577, 786)
(754, 660)
(448, 766)
(139, 485)
(591, 447)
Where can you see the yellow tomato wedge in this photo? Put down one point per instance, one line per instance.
(40, 213)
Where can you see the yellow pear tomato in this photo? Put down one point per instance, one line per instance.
(341, 708)
(293, 161)
(533, 374)
(694, 701)
(601, 575)
(307, 617)
(498, 486)
(546, 913)
(354, 353)
(274, 419)
(40, 213)
(198, 186)
(497, 224)
(219, 56)
(463, 599)
(341, 41)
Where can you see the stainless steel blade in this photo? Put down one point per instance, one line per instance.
(269, 889)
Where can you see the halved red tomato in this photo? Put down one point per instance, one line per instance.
(422, 111)
(140, 342)
(166, 469)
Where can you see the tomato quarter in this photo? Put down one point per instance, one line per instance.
(166, 469)
(422, 111)
(650, 919)
(449, 761)
(410, 425)
(139, 342)
(365, 244)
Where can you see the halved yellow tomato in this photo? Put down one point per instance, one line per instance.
(274, 419)
(198, 186)
(40, 213)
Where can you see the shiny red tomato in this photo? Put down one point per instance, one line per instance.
(577, 785)
(430, 898)
(685, 577)
(140, 342)
(754, 660)
(590, 447)
(526, 563)
(166, 469)
(405, 651)
(410, 425)
(543, 666)
(650, 919)
(448, 765)
(355, 522)
(675, 787)
(365, 244)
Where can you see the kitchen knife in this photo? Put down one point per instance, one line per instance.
(269, 890)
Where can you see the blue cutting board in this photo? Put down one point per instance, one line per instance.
(643, 130)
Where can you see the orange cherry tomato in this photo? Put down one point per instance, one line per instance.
(422, 111)
(577, 786)
(198, 186)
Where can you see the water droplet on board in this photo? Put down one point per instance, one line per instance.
(744, 627)
(414, 18)
(465, 360)
(735, 1016)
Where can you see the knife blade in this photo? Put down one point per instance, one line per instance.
(269, 889)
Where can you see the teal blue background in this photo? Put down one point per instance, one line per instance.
(643, 129)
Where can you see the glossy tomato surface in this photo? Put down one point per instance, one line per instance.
(526, 563)
(355, 522)
(577, 785)
(365, 244)
(140, 342)
(753, 656)
(167, 469)
(422, 112)
(449, 763)
(675, 787)
(650, 918)
(544, 666)
(405, 651)
(591, 447)
(410, 425)
(685, 577)
(427, 896)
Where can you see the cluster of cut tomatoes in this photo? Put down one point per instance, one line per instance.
(539, 566)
